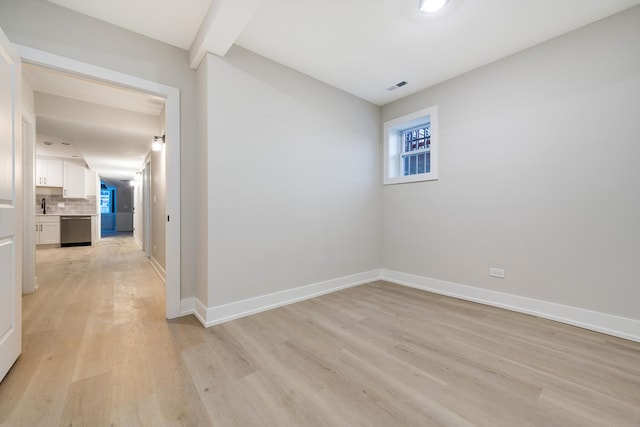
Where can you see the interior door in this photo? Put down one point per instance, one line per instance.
(10, 208)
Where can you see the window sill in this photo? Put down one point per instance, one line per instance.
(409, 179)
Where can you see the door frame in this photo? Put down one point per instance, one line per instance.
(29, 280)
(172, 147)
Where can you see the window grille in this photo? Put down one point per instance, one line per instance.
(416, 150)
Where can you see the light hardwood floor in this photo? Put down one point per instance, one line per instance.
(98, 352)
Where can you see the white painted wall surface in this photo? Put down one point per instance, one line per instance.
(293, 179)
(538, 175)
(138, 211)
(201, 188)
(28, 99)
(158, 211)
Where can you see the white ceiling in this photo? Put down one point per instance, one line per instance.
(53, 82)
(173, 21)
(112, 152)
(109, 127)
(360, 46)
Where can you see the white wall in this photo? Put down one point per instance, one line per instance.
(28, 99)
(538, 175)
(158, 205)
(45, 26)
(138, 211)
(293, 179)
(201, 188)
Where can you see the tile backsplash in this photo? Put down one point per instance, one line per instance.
(71, 206)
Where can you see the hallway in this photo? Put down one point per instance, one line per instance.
(97, 349)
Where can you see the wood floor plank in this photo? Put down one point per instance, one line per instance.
(98, 351)
(88, 402)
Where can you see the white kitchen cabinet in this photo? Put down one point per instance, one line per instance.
(75, 181)
(47, 230)
(48, 172)
(92, 178)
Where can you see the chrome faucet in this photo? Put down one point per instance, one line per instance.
(43, 206)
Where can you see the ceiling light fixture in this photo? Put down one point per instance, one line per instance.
(431, 6)
(157, 143)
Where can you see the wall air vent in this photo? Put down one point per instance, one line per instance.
(397, 85)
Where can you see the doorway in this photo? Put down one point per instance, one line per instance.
(172, 132)
(107, 208)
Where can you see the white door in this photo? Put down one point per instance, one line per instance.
(10, 208)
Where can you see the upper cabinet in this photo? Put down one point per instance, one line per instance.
(75, 179)
(72, 177)
(92, 178)
(48, 173)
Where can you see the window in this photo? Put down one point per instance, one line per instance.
(410, 147)
(107, 199)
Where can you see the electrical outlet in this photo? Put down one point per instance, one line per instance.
(496, 272)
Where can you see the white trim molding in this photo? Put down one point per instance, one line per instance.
(161, 271)
(394, 151)
(210, 316)
(600, 322)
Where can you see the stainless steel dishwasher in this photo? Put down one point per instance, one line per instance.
(75, 230)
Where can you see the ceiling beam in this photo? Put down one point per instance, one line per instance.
(220, 28)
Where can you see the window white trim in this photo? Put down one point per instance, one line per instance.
(393, 146)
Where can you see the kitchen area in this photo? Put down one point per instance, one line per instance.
(66, 204)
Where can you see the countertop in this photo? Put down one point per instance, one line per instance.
(67, 214)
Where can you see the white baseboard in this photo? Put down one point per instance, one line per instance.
(600, 322)
(193, 306)
(158, 268)
(187, 306)
(200, 311)
(138, 242)
(210, 316)
(606, 323)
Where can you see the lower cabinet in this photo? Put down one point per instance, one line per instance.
(48, 230)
